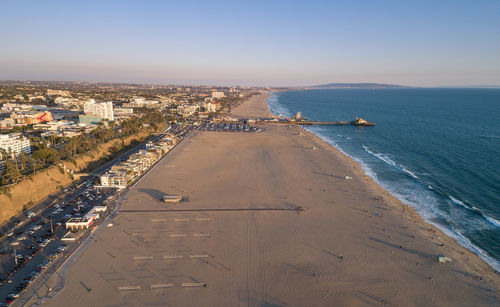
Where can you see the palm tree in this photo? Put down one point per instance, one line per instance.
(3, 154)
(23, 159)
(12, 173)
(34, 164)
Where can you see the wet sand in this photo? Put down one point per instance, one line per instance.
(354, 244)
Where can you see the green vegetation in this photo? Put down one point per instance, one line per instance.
(46, 153)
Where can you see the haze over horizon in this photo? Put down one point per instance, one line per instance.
(450, 43)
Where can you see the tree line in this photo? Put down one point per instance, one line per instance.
(50, 151)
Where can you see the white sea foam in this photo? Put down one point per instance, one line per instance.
(382, 157)
(492, 220)
(328, 140)
(409, 172)
(425, 205)
(458, 202)
(275, 107)
(390, 162)
(460, 238)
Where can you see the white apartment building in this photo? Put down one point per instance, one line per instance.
(101, 109)
(14, 143)
(187, 109)
(123, 111)
(211, 107)
(115, 179)
(217, 94)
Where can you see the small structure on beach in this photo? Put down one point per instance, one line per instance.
(443, 259)
(172, 198)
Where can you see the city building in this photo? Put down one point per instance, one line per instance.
(121, 174)
(51, 92)
(39, 97)
(64, 128)
(141, 103)
(89, 119)
(14, 144)
(69, 102)
(79, 223)
(217, 95)
(7, 123)
(94, 212)
(101, 109)
(15, 107)
(211, 107)
(51, 126)
(123, 111)
(187, 109)
(58, 114)
(31, 117)
(118, 179)
(22, 115)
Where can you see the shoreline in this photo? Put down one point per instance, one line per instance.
(436, 228)
(442, 229)
(457, 237)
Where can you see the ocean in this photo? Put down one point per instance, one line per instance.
(437, 150)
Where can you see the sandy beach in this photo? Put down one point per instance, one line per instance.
(353, 245)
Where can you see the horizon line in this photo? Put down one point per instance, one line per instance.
(253, 86)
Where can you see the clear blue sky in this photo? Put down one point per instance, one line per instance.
(276, 43)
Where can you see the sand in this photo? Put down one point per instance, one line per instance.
(353, 245)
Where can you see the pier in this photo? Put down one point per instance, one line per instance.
(356, 122)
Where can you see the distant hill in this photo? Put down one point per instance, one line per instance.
(357, 85)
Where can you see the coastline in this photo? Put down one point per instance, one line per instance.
(449, 239)
(354, 244)
(459, 238)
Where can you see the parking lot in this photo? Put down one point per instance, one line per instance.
(31, 247)
(226, 127)
(33, 241)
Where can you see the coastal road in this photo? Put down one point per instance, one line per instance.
(73, 189)
(85, 194)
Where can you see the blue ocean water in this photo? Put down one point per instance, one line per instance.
(437, 150)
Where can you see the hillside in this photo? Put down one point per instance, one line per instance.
(36, 187)
(357, 85)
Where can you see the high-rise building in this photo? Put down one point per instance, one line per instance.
(14, 144)
(101, 109)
